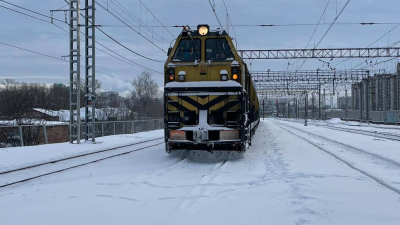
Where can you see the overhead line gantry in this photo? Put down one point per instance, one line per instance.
(331, 53)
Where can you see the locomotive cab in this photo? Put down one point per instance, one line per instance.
(210, 102)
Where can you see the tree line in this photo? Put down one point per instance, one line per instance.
(17, 98)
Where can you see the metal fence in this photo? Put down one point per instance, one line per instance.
(392, 117)
(27, 135)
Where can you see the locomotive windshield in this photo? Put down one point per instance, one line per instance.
(217, 49)
(187, 51)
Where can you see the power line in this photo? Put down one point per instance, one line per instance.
(215, 13)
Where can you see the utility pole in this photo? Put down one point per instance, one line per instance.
(385, 92)
(277, 108)
(347, 104)
(306, 109)
(319, 103)
(90, 70)
(323, 106)
(263, 108)
(75, 72)
(313, 104)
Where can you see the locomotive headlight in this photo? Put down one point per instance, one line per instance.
(171, 71)
(235, 76)
(181, 76)
(224, 75)
(203, 29)
(171, 77)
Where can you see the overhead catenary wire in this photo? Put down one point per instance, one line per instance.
(215, 13)
(30, 11)
(327, 31)
(31, 51)
(131, 62)
(229, 21)
(119, 43)
(53, 57)
(158, 37)
(113, 14)
(316, 27)
(397, 25)
(266, 25)
(157, 19)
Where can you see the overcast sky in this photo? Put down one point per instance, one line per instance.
(26, 32)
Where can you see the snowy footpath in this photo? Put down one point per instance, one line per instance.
(291, 175)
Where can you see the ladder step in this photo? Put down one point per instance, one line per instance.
(74, 103)
(173, 122)
(89, 67)
(74, 39)
(89, 56)
(74, 61)
(90, 46)
(173, 111)
(74, 29)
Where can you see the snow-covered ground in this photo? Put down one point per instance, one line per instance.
(291, 175)
(336, 122)
(18, 157)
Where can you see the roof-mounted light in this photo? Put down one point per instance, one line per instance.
(203, 29)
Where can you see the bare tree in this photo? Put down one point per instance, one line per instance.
(146, 97)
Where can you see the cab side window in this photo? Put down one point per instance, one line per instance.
(188, 51)
(217, 49)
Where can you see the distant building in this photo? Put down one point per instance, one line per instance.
(108, 99)
(344, 102)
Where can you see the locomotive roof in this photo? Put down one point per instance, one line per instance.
(211, 33)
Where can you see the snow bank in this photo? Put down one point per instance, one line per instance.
(334, 120)
(11, 158)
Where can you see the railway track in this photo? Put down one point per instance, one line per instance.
(25, 174)
(384, 135)
(388, 162)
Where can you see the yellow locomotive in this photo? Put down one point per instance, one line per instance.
(209, 97)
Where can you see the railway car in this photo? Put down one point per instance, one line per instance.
(209, 99)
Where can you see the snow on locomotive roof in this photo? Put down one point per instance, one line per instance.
(205, 84)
